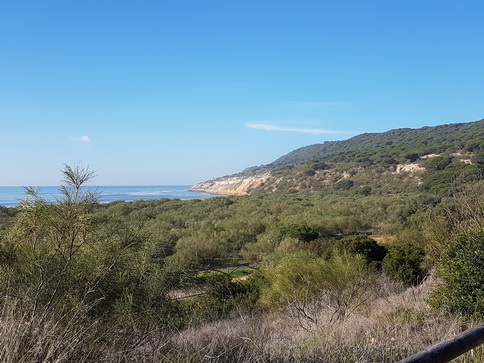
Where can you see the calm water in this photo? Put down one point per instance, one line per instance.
(9, 195)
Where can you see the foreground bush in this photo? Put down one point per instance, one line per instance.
(404, 263)
(461, 269)
(300, 277)
(75, 286)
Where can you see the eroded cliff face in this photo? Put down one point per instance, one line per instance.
(243, 184)
(231, 185)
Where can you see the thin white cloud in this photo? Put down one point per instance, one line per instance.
(85, 139)
(267, 127)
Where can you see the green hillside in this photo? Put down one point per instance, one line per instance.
(428, 159)
(393, 146)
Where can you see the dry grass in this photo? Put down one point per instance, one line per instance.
(41, 337)
(51, 335)
(394, 324)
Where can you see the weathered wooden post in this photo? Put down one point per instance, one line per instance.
(450, 349)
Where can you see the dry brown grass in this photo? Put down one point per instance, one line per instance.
(53, 335)
(40, 337)
(394, 324)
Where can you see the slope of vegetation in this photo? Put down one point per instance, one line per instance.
(395, 161)
(340, 277)
(392, 146)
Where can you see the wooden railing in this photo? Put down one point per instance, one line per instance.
(450, 349)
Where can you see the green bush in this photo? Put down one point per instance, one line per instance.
(365, 191)
(404, 263)
(223, 297)
(299, 277)
(411, 157)
(461, 268)
(61, 263)
(320, 166)
(322, 246)
(478, 158)
(439, 181)
(346, 184)
(301, 232)
(438, 163)
(365, 246)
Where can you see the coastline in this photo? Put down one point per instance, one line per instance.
(10, 195)
(231, 185)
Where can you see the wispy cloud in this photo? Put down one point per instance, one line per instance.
(85, 139)
(268, 127)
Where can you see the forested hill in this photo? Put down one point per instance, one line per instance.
(388, 162)
(399, 145)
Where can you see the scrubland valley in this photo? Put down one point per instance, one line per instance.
(364, 250)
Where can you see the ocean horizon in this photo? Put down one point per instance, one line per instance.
(10, 195)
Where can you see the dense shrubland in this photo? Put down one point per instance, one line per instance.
(266, 277)
(391, 147)
(429, 159)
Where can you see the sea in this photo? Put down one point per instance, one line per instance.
(10, 196)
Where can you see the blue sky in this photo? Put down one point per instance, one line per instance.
(177, 92)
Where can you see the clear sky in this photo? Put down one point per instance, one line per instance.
(177, 92)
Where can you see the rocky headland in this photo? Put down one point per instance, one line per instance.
(231, 185)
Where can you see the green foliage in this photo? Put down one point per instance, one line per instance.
(456, 173)
(303, 275)
(411, 157)
(438, 163)
(7, 216)
(386, 147)
(346, 184)
(478, 158)
(365, 246)
(365, 191)
(63, 262)
(231, 293)
(322, 246)
(404, 263)
(461, 269)
(301, 232)
(438, 182)
(320, 166)
(471, 173)
(309, 172)
(371, 159)
(224, 296)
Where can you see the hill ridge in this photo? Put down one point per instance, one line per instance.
(389, 155)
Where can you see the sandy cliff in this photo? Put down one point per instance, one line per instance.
(231, 185)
